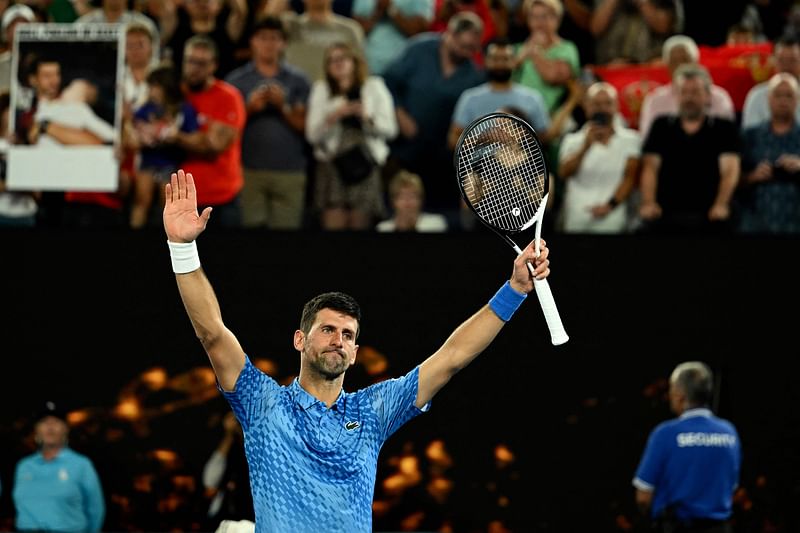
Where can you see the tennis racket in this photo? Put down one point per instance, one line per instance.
(504, 180)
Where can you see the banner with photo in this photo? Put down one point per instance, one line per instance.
(66, 111)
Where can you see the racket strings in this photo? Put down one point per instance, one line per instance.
(502, 172)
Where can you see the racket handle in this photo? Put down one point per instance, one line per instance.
(558, 334)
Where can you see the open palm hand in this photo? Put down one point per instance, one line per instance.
(181, 221)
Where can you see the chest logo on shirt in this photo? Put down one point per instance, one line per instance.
(353, 424)
(63, 475)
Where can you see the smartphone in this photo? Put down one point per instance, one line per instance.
(601, 119)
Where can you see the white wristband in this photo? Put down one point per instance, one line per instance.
(184, 256)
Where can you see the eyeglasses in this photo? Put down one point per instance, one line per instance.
(195, 62)
(338, 58)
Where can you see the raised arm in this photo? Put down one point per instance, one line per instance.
(183, 225)
(477, 332)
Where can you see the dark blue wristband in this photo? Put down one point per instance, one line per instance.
(506, 301)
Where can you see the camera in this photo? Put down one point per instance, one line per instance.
(601, 119)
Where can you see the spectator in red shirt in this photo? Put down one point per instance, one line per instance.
(214, 157)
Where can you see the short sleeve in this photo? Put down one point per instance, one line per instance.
(572, 143)
(253, 388)
(654, 143)
(394, 401)
(651, 465)
(461, 116)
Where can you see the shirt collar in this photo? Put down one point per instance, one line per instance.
(58, 456)
(698, 411)
(306, 400)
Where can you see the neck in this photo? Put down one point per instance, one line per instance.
(406, 221)
(267, 66)
(322, 389)
(319, 15)
(205, 86)
(139, 71)
(691, 125)
(500, 85)
(50, 452)
(781, 125)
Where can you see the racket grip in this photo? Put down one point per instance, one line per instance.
(557, 333)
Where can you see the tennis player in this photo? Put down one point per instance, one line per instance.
(312, 449)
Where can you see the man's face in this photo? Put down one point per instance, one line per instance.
(499, 62)
(51, 431)
(678, 56)
(693, 98)
(267, 44)
(601, 102)
(138, 49)
(330, 347)
(47, 80)
(787, 59)
(198, 67)
(463, 46)
(783, 101)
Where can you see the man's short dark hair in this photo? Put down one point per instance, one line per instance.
(336, 301)
(30, 63)
(499, 42)
(270, 23)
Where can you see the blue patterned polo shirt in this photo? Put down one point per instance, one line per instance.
(313, 468)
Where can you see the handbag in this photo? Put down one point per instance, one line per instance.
(354, 164)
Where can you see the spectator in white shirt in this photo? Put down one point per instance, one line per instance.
(599, 163)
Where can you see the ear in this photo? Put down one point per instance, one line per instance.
(299, 340)
(353, 359)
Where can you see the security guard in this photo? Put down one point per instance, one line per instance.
(690, 468)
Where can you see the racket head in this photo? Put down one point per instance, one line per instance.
(501, 171)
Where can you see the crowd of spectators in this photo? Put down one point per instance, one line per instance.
(298, 114)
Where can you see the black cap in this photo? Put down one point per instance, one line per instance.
(50, 408)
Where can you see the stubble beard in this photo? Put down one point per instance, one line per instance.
(323, 366)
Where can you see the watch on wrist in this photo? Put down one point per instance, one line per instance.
(43, 125)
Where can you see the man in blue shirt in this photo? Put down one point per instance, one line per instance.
(690, 467)
(499, 93)
(312, 449)
(56, 488)
(426, 81)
